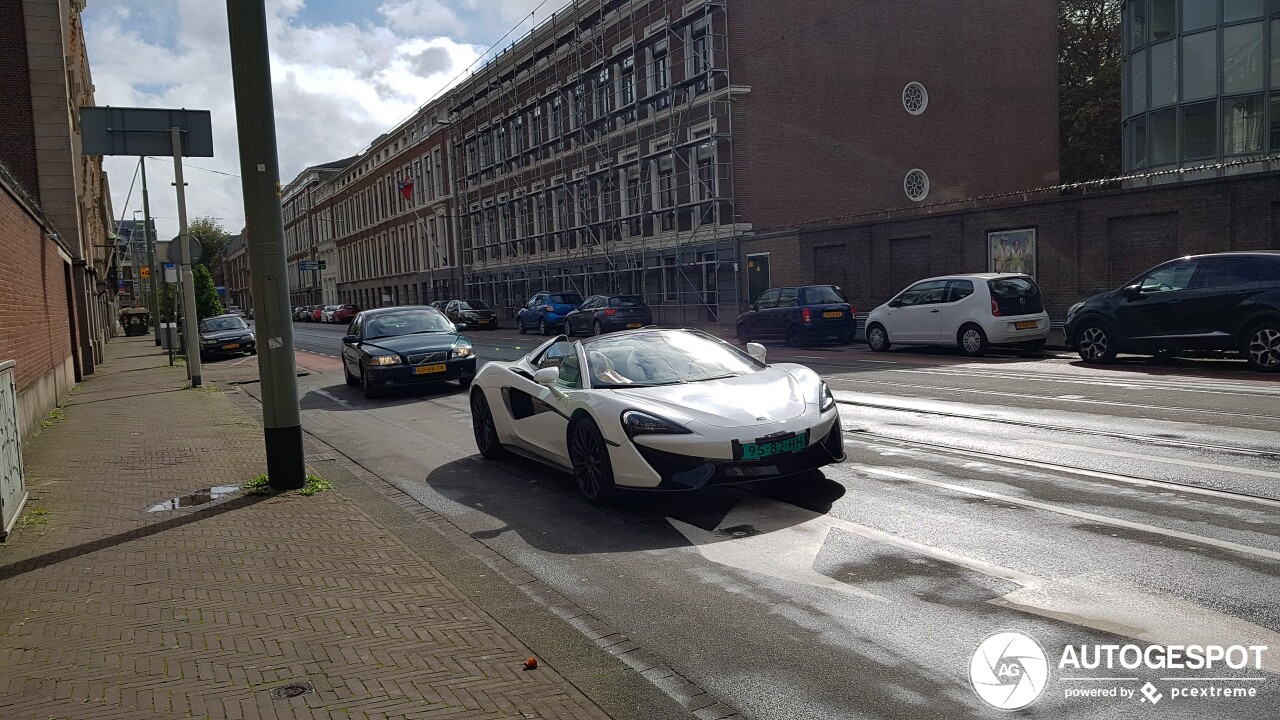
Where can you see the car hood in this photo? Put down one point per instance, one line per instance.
(408, 344)
(226, 334)
(772, 394)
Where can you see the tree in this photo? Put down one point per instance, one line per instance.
(207, 302)
(1090, 55)
(212, 236)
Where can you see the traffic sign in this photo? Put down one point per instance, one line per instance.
(144, 272)
(185, 249)
(323, 265)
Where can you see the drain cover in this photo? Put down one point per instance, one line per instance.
(292, 690)
(317, 457)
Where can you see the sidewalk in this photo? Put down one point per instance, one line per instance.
(108, 610)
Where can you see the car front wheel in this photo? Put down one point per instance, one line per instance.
(877, 338)
(542, 326)
(597, 328)
(482, 426)
(371, 391)
(592, 470)
(1095, 343)
(1262, 347)
(744, 335)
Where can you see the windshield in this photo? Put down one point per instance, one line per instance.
(663, 358)
(823, 295)
(220, 324)
(472, 305)
(406, 323)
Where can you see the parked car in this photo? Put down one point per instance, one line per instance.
(315, 313)
(472, 313)
(656, 409)
(299, 313)
(249, 313)
(226, 335)
(600, 314)
(546, 311)
(345, 313)
(440, 305)
(405, 346)
(799, 315)
(972, 312)
(235, 310)
(326, 313)
(1204, 304)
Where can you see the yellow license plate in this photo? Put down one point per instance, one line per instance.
(1028, 325)
(232, 346)
(832, 314)
(633, 325)
(428, 369)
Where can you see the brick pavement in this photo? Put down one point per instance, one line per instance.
(109, 611)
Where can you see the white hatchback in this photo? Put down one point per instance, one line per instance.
(972, 312)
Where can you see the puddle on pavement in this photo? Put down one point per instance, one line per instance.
(199, 497)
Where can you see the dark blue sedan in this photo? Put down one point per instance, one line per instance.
(405, 346)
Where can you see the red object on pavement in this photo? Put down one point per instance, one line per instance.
(531, 664)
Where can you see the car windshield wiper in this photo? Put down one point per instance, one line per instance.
(626, 386)
(715, 377)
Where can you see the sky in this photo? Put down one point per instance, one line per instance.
(343, 72)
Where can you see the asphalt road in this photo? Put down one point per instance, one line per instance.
(1135, 503)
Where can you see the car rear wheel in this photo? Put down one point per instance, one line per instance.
(592, 470)
(465, 382)
(597, 328)
(1262, 347)
(1095, 343)
(568, 328)
(877, 338)
(972, 341)
(520, 324)
(482, 426)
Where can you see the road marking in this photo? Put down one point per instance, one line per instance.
(1160, 459)
(1082, 515)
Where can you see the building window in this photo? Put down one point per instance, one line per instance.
(1199, 130)
(916, 185)
(1163, 14)
(706, 171)
(1200, 65)
(1164, 137)
(1137, 24)
(557, 118)
(604, 94)
(666, 183)
(1198, 14)
(535, 127)
(1242, 58)
(915, 98)
(1164, 74)
(1138, 142)
(628, 81)
(1275, 122)
(700, 48)
(1242, 125)
(1233, 10)
(659, 69)
(1138, 81)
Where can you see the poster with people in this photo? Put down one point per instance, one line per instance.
(1012, 251)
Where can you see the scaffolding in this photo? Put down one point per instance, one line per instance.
(595, 156)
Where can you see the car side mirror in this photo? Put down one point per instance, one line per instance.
(350, 339)
(460, 326)
(1132, 292)
(547, 377)
(757, 351)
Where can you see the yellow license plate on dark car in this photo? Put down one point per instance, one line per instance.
(836, 314)
(1028, 325)
(633, 325)
(231, 346)
(428, 369)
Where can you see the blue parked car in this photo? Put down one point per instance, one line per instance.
(546, 311)
(799, 315)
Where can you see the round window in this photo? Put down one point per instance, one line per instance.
(915, 98)
(916, 185)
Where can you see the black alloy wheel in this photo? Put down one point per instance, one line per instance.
(597, 328)
(744, 335)
(1262, 346)
(590, 457)
(542, 326)
(1095, 343)
(352, 380)
(371, 391)
(486, 433)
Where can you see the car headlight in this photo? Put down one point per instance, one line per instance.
(247, 338)
(635, 423)
(384, 360)
(828, 400)
(1072, 310)
(208, 341)
(463, 351)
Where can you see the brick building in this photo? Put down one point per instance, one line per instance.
(44, 81)
(306, 228)
(233, 272)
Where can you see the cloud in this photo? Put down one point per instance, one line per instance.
(423, 17)
(430, 61)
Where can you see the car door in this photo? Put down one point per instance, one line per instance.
(780, 318)
(582, 317)
(527, 315)
(918, 316)
(757, 321)
(350, 353)
(1150, 315)
(538, 413)
(1216, 306)
(955, 310)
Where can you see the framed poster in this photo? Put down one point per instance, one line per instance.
(1012, 251)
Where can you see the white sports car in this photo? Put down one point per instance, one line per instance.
(656, 409)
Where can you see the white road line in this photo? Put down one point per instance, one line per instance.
(1091, 517)
(1159, 459)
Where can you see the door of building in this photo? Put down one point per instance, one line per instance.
(757, 276)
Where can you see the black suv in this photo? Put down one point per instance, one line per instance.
(799, 315)
(1203, 304)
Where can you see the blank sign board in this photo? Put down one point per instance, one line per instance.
(145, 131)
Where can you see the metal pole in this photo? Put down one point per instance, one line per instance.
(260, 179)
(155, 281)
(191, 325)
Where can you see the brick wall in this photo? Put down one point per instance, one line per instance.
(35, 327)
(17, 133)
(1085, 244)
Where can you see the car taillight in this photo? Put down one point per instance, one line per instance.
(549, 309)
(804, 313)
(995, 308)
(610, 312)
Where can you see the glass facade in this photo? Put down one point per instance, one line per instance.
(1201, 81)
